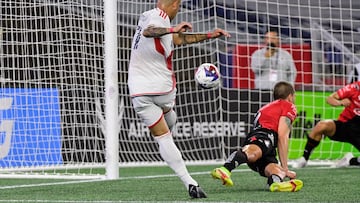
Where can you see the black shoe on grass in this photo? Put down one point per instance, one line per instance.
(196, 192)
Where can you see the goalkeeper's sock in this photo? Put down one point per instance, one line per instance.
(172, 156)
(235, 159)
(273, 179)
(355, 161)
(309, 147)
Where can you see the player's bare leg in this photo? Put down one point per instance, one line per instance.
(325, 127)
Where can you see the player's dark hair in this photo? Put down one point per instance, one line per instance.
(282, 90)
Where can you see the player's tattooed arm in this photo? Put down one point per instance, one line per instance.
(288, 122)
(189, 38)
(179, 38)
(153, 31)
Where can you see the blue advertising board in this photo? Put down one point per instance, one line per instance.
(30, 127)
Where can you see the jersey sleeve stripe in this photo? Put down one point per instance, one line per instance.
(163, 14)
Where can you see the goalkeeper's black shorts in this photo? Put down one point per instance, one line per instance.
(261, 139)
(348, 132)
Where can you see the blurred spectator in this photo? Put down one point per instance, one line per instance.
(272, 63)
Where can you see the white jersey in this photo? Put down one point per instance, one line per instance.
(150, 67)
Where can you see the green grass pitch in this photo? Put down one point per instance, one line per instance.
(158, 184)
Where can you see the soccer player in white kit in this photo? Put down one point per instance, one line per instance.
(152, 83)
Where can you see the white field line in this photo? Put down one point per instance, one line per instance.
(97, 180)
(124, 178)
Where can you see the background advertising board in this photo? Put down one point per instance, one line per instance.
(30, 127)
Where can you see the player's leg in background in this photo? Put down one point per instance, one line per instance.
(325, 127)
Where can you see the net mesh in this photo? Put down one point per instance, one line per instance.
(52, 77)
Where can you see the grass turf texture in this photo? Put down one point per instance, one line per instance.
(320, 185)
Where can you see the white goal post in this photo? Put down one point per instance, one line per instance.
(61, 82)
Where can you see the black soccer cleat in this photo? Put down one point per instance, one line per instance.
(196, 192)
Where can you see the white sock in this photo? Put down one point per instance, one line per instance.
(172, 156)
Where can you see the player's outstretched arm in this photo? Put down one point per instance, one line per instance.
(155, 32)
(189, 38)
(180, 36)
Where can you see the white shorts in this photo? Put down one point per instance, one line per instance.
(150, 108)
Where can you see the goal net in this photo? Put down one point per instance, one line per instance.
(321, 36)
(52, 100)
(52, 81)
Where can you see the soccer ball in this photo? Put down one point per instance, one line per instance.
(207, 75)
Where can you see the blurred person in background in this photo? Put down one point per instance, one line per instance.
(271, 63)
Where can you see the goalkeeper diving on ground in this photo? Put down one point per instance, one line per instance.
(271, 129)
(345, 129)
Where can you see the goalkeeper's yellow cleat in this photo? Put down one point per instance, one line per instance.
(223, 174)
(286, 186)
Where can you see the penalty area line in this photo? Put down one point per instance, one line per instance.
(50, 184)
(127, 178)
